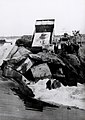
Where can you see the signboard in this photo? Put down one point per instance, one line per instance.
(41, 39)
(45, 22)
(43, 32)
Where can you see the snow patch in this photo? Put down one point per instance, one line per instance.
(70, 96)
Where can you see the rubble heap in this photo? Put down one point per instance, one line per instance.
(24, 66)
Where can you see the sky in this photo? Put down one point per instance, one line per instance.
(17, 17)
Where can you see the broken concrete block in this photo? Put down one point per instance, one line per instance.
(41, 71)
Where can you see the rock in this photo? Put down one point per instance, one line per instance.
(7, 72)
(35, 57)
(74, 62)
(56, 84)
(53, 84)
(73, 59)
(19, 59)
(71, 77)
(25, 90)
(41, 71)
(51, 58)
(70, 72)
(20, 79)
(81, 54)
(26, 42)
(36, 50)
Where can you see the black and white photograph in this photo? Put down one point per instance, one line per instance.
(42, 59)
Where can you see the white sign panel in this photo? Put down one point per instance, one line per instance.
(41, 39)
(44, 22)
